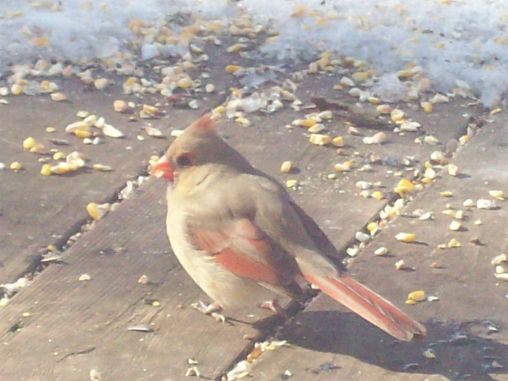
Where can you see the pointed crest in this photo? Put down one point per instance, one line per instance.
(204, 125)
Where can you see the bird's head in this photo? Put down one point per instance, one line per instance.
(198, 145)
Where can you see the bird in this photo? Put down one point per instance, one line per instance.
(243, 240)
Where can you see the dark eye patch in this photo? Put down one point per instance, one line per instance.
(184, 160)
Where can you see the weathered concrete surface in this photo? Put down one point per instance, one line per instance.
(328, 343)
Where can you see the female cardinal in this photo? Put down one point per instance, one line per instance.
(242, 240)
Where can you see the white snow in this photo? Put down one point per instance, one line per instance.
(458, 43)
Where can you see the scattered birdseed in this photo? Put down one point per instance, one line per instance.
(381, 251)
(405, 237)
(286, 167)
(85, 277)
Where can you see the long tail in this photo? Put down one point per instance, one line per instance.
(369, 305)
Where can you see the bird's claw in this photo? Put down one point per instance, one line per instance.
(211, 309)
(274, 306)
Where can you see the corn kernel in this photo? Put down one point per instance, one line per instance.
(291, 183)
(320, 139)
(405, 237)
(95, 211)
(404, 186)
(236, 48)
(46, 170)
(50, 129)
(446, 194)
(16, 166)
(343, 167)
(316, 128)
(497, 194)
(58, 155)
(397, 115)
(384, 109)
(304, 122)
(16, 89)
(417, 296)
(338, 141)
(453, 244)
(286, 167)
(378, 195)
(232, 68)
(184, 83)
(372, 227)
(426, 106)
(82, 133)
(29, 143)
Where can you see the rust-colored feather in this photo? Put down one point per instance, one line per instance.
(369, 305)
(244, 250)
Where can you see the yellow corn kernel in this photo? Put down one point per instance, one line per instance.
(29, 143)
(242, 121)
(426, 106)
(316, 128)
(338, 141)
(372, 227)
(46, 170)
(50, 129)
(304, 122)
(236, 48)
(453, 244)
(397, 115)
(94, 211)
(63, 168)
(131, 81)
(16, 166)
(286, 167)
(417, 296)
(405, 237)
(410, 302)
(59, 155)
(446, 194)
(291, 183)
(343, 167)
(219, 110)
(404, 186)
(16, 89)
(320, 139)
(497, 194)
(232, 68)
(378, 195)
(384, 109)
(184, 83)
(361, 76)
(82, 134)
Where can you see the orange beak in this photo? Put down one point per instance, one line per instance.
(162, 168)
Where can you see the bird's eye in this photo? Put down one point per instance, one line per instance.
(184, 160)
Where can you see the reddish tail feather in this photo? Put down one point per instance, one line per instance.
(369, 305)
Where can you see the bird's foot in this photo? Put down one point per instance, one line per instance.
(211, 309)
(274, 306)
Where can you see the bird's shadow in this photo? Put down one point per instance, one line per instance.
(462, 350)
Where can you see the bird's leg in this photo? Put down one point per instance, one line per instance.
(274, 306)
(211, 309)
